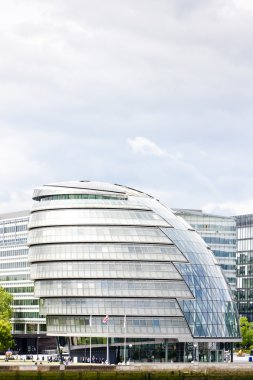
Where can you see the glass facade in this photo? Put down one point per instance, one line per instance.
(112, 306)
(105, 269)
(175, 327)
(106, 251)
(219, 232)
(244, 224)
(114, 250)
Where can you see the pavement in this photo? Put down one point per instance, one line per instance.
(242, 359)
(240, 363)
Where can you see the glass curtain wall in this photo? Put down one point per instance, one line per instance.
(244, 224)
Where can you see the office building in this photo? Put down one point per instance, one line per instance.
(219, 232)
(244, 226)
(27, 323)
(98, 249)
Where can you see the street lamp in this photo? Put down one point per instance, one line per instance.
(195, 352)
(38, 347)
(130, 346)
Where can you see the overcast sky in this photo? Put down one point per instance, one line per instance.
(152, 94)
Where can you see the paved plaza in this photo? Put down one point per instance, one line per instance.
(240, 364)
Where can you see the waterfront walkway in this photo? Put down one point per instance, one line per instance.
(238, 365)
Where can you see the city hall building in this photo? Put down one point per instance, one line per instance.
(99, 250)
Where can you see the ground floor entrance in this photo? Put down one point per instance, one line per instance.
(149, 351)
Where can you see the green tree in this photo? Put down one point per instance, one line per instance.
(246, 328)
(6, 340)
(5, 304)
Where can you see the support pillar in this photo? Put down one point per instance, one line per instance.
(59, 350)
(69, 344)
(166, 350)
(231, 352)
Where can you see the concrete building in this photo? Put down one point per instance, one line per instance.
(219, 232)
(101, 250)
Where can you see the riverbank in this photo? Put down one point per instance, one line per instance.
(136, 371)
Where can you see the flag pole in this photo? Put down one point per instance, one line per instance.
(106, 320)
(90, 337)
(107, 345)
(125, 340)
(90, 349)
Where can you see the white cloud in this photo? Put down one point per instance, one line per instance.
(230, 208)
(145, 146)
(16, 201)
(78, 79)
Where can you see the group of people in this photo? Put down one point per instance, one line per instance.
(41, 358)
(66, 360)
(94, 359)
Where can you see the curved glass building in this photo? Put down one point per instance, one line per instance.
(98, 249)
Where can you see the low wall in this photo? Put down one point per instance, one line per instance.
(141, 371)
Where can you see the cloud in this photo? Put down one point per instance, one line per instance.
(172, 78)
(230, 208)
(16, 200)
(145, 146)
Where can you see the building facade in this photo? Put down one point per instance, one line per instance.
(99, 249)
(244, 226)
(27, 323)
(219, 232)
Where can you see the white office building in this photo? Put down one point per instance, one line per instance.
(27, 323)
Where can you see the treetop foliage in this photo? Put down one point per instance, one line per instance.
(6, 340)
(5, 305)
(246, 328)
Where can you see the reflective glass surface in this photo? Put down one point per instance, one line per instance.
(244, 224)
(111, 306)
(212, 313)
(96, 234)
(104, 269)
(111, 288)
(89, 204)
(130, 256)
(136, 252)
(134, 327)
(95, 217)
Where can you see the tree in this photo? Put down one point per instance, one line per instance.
(5, 304)
(246, 328)
(6, 340)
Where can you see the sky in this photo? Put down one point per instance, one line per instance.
(151, 94)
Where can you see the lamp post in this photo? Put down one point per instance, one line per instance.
(195, 352)
(130, 346)
(38, 347)
(85, 342)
